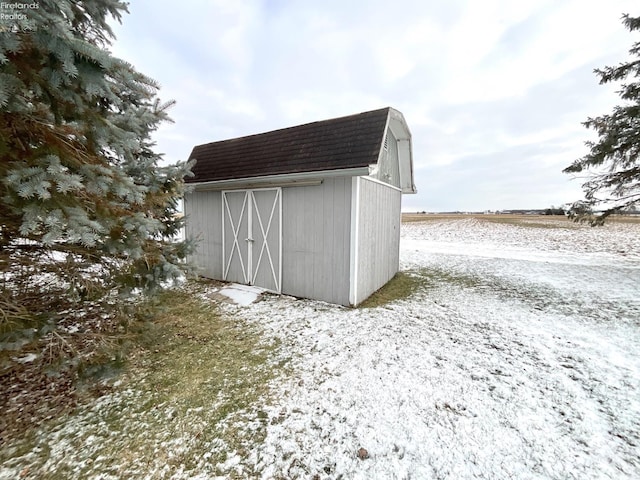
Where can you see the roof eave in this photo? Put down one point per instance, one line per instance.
(286, 179)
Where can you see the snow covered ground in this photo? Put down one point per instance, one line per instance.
(517, 356)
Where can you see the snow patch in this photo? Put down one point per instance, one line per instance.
(28, 358)
(243, 295)
(518, 357)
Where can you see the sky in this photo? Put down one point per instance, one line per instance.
(494, 92)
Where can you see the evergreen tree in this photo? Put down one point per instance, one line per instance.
(85, 205)
(613, 162)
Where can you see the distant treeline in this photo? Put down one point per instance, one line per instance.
(544, 211)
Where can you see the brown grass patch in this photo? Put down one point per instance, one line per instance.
(188, 394)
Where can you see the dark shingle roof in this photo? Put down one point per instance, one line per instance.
(346, 142)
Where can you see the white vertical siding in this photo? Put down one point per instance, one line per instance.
(392, 159)
(405, 165)
(318, 259)
(315, 240)
(235, 231)
(388, 170)
(204, 223)
(378, 237)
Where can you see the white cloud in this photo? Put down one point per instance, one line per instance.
(486, 87)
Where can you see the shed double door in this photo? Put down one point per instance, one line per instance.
(252, 237)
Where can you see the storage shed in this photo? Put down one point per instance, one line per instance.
(310, 211)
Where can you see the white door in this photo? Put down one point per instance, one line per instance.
(252, 237)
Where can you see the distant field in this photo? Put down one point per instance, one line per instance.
(505, 218)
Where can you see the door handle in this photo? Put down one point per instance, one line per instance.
(248, 240)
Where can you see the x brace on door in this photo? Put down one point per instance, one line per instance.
(235, 229)
(260, 259)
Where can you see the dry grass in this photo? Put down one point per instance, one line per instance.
(402, 285)
(187, 396)
(204, 368)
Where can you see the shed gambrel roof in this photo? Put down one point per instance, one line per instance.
(340, 143)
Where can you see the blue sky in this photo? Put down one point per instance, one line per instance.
(494, 92)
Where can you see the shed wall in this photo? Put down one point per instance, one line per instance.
(317, 237)
(388, 169)
(204, 223)
(316, 230)
(377, 258)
